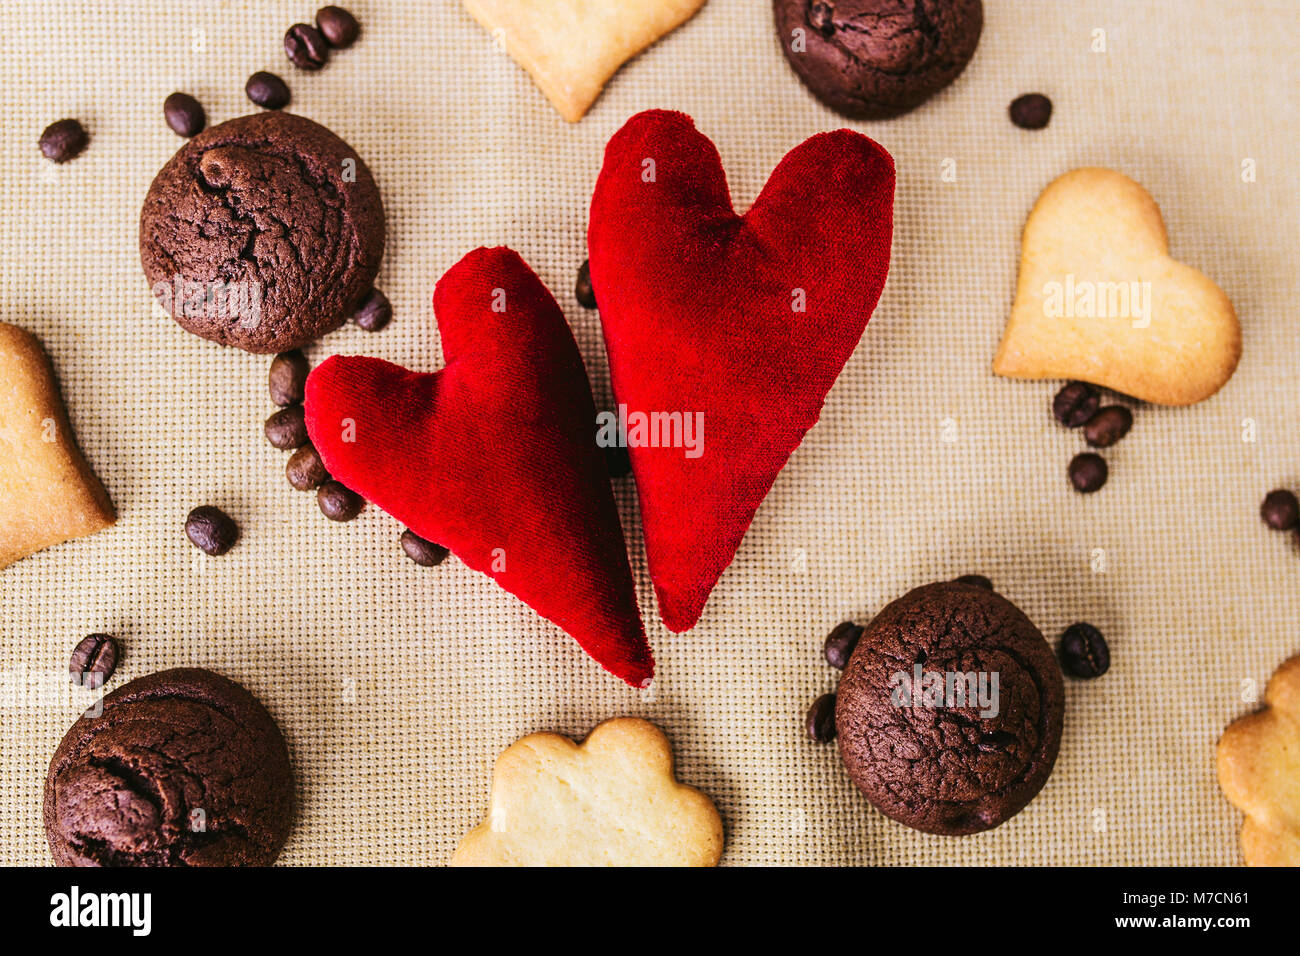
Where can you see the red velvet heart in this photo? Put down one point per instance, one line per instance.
(701, 315)
(493, 457)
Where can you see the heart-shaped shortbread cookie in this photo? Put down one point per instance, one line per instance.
(494, 457)
(726, 332)
(48, 494)
(1100, 300)
(572, 47)
(611, 800)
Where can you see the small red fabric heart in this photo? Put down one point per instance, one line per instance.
(494, 457)
(701, 311)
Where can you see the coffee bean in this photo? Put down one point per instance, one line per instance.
(976, 580)
(267, 90)
(94, 657)
(1108, 426)
(424, 553)
(287, 379)
(820, 722)
(63, 140)
(1280, 510)
(1075, 403)
(211, 530)
(305, 469)
(582, 289)
(1031, 111)
(840, 643)
(305, 47)
(618, 461)
(339, 27)
(287, 428)
(337, 502)
(374, 312)
(1088, 472)
(1084, 652)
(184, 114)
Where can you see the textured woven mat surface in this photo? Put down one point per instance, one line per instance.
(397, 686)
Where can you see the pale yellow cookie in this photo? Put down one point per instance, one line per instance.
(48, 491)
(1100, 300)
(610, 801)
(572, 47)
(1259, 771)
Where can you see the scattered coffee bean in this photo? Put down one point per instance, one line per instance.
(63, 140)
(1108, 426)
(94, 657)
(424, 553)
(337, 502)
(305, 47)
(305, 469)
(977, 580)
(820, 722)
(1084, 652)
(374, 312)
(339, 27)
(1088, 472)
(618, 461)
(1031, 111)
(267, 90)
(840, 644)
(1075, 403)
(582, 289)
(184, 114)
(287, 428)
(1280, 510)
(211, 530)
(287, 379)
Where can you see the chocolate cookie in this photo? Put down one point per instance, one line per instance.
(968, 744)
(873, 59)
(182, 768)
(263, 233)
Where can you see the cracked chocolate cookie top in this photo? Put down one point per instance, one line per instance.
(949, 713)
(181, 768)
(263, 232)
(873, 59)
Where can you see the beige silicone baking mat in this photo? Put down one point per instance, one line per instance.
(397, 686)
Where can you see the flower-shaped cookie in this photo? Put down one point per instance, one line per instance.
(610, 801)
(1259, 771)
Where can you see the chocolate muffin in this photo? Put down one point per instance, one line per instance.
(182, 768)
(967, 745)
(262, 233)
(873, 59)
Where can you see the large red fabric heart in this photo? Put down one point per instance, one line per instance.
(493, 457)
(701, 311)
